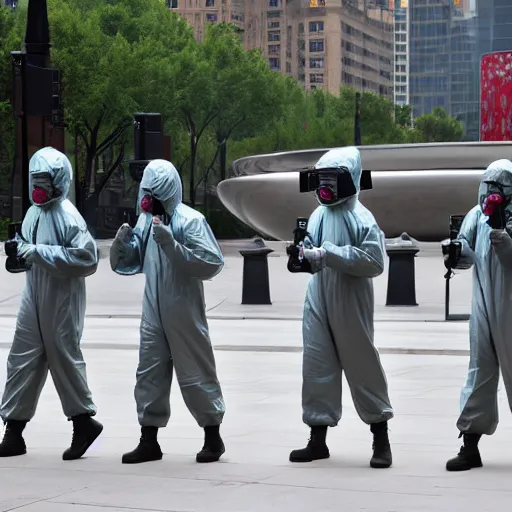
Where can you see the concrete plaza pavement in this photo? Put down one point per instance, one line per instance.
(258, 352)
(111, 295)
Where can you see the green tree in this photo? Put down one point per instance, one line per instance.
(115, 57)
(10, 39)
(403, 115)
(437, 126)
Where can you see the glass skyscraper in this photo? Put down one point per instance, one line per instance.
(447, 39)
(429, 45)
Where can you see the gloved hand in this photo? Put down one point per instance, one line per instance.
(124, 233)
(26, 251)
(452, 252)
(499, 237)
(502, 244)
(315, 255)
(161, 233)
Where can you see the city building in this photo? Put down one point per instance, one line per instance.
(321, 44)
(401, 47)
(429, 55)
(464, 67)
(447, 39)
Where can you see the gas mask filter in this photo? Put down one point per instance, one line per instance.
(331, 185)
(495, 204)
(42, 190)
(152, 205)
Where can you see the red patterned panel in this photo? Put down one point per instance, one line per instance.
(496, 97)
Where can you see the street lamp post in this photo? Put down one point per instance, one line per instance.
(36, 102)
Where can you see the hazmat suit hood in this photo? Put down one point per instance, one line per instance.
(500, 172)
(52, 170)
(162, 181)
(349, 158)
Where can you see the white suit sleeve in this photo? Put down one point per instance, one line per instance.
(199, 256)
(365, 260)
(467, 237)
(78, 258)
(126, 256)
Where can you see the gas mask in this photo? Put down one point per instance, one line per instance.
(42, 188)
(332, 186)
(152, 205)
(494, 205)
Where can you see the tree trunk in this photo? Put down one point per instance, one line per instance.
(89, 169)
(223, 160)
(193, 154)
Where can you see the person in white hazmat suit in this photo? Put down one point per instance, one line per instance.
(59, 254)
(489, 251)
(175, 248)
(345, 249)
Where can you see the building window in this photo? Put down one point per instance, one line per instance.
(172, 4)
(273, 14)
(274, 63)
(274, 48)
(274, 3)
(316, 45)
(401, 48)
(210, 3)
(316, 26)
(212, 18)
(316, 78)
(316, 3)
(274, 36)
(316, 62)
(273, 24)
(288, 67)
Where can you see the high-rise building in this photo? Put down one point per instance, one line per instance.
(401, 80)
(447, 39)
(464, 71)
(321, 44)
(429, 54)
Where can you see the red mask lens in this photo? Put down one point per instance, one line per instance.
(39, 196)
(146, 204)
(325, 194)
(491, 202)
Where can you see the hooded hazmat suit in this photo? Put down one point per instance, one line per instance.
(490, 253)
(60, 253)
(347, 252)
(176, 256)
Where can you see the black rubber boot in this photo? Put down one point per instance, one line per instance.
(13, 443)
(148, 449)
(213, 445)
(469, 455)
(315, 450)
(85, 431)
(382, 457)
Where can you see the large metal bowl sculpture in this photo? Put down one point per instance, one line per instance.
(416, 187)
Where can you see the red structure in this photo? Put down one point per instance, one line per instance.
(496, 97)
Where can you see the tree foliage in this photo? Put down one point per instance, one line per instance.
(219, 102)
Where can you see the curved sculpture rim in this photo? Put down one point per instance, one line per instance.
(391, 157)
(416, 187)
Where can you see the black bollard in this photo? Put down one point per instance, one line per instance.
(401, 274)
(255, 283)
